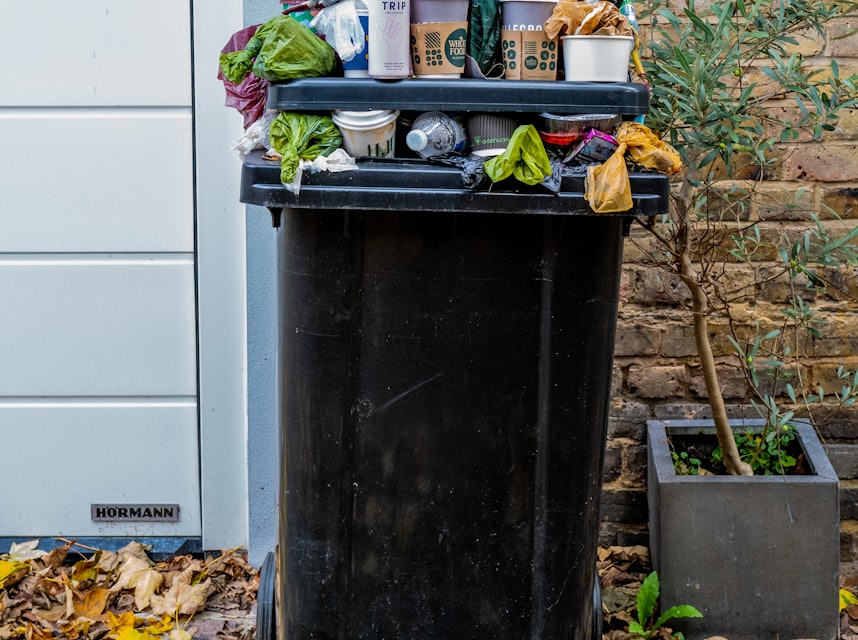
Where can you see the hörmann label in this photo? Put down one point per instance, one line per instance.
(134, 512)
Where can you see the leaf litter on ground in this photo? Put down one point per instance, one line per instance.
(81, 593)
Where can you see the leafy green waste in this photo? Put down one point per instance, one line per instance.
(281, 49)
(297, 136)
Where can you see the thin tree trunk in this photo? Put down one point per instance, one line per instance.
(734, 464)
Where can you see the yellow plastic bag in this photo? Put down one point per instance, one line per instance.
(647, 149)
(607, 187)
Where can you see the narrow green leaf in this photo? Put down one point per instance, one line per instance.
(647, 597)
(679, 611)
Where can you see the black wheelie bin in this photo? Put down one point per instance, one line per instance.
(444, 371)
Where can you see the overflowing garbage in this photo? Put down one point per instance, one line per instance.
(411, 40)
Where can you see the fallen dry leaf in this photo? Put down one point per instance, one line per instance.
(183, 598)
(137, 573)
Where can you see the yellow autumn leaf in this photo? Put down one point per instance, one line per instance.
(11, 571)
(90, 604)
(130, 633)
(75, 629)
(847, 598)
(161, 626)
(117, 622)
(85, 570)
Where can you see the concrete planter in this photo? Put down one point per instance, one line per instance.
(758, 556)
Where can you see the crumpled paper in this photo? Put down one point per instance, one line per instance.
(256, 136)
(576, 18)
(338, 160)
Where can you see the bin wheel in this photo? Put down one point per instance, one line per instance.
(597, 609)
(266, 619)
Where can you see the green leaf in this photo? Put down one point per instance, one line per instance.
(635, 628)
(679, 611)
(647, 597)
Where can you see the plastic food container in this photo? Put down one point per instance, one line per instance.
(560, 132)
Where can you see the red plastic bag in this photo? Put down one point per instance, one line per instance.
(248, 98)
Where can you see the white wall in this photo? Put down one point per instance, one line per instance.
(115, 142)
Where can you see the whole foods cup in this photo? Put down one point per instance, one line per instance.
(597, 58)
(489, 133)
(367, 133)
(439, 37)
(528, 54)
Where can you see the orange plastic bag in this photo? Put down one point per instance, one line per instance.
(607, 187)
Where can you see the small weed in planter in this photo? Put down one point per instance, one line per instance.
(644, 627)
(768, 452)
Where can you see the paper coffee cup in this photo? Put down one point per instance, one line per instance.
(525, 15)
(489, 133)
(367, 133)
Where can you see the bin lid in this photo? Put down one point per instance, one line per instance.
(459, 95)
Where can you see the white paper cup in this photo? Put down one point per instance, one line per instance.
(525, 15)
(439, 11)
(597, 58)
(367, 133)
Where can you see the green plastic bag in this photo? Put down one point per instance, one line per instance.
(302, 136)
(524, 158)
(484, 34)
(281, 49)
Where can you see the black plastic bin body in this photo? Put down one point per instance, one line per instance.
(444, 368)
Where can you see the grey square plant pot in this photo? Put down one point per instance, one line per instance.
(758, 556)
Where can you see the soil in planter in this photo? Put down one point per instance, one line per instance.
(699, 454)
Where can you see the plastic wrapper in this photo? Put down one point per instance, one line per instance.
(576, 18)
(248, 96)
(281, 49)
(302, 136)
(597, 146)
(340, 25)
(524, 158)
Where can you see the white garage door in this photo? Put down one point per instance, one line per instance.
(98, 383)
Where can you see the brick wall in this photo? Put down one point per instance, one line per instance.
(656, 373)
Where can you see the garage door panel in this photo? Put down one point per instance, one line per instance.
(97, 52)
(68, 456)
(89, 180)
(97, 326)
